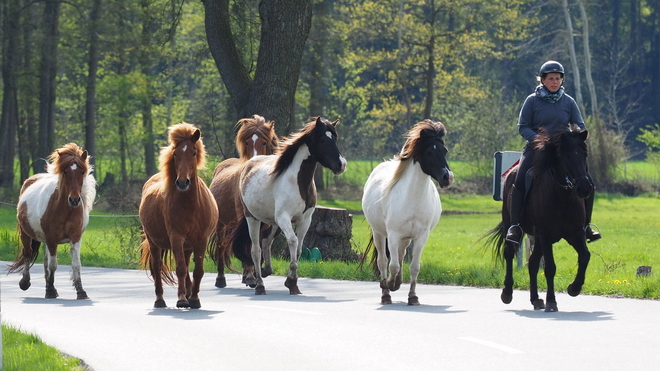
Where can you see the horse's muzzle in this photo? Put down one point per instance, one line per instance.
(182, 185)
(74, 202)
(445, 178)
(341, 167)
(583, 187)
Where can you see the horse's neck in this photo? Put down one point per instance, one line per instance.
(413, 178)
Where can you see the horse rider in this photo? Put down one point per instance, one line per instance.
(551, 108)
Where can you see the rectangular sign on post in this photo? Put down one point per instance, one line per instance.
(504, 162)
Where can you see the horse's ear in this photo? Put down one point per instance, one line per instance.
(84, 155)
(334, 123)
(196, 135)
(584, 134)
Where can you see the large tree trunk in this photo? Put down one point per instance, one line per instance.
(90, 102)
(28, 148)
(9, 116)
(47, 78)
(147, 121)
(318, 38)
(285, 27)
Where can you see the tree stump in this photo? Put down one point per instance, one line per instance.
(330, 232)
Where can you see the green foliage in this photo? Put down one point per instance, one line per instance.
(22, 351)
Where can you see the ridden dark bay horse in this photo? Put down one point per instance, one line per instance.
(279, 190)
(53, 208)
(555, 209)
(178, 215)
(255, 137)
(402, 205)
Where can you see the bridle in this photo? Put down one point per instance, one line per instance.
(569, 180)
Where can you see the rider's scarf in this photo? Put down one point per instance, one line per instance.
(543, 93)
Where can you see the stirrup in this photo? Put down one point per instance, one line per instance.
(513, 240)
(595, 236)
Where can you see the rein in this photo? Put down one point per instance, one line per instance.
(569, 183)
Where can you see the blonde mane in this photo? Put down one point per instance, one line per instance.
(177, 134)
(251, 126)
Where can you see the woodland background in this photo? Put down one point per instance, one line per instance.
(112, 75)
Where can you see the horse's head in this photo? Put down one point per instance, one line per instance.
(255, 137)
(322, 143)
(72, 164)
(184, 155)
(566, 154)
(425, 144)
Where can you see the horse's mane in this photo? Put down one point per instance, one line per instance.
(289, 145)
(255, 125)
(548, 146)
(176, 134)
(417, 139)
(63, 157)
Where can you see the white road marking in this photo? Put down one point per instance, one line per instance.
(490, 344)
(284, 310)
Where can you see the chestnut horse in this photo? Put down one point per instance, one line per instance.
(178, 214)
(402, 205)
(555, 209)
(255, 137)
(279, 190)
(53, 208)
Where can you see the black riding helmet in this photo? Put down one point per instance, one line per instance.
(551, 66)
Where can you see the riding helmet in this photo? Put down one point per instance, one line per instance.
(551, 66)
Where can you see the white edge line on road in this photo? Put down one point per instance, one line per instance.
(490, 344)
(284, 310)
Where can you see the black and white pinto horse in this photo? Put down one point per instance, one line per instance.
(279, 190)
(402, 205)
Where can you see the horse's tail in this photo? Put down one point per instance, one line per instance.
(496, 238)
(373, 261)
(166, 273)
(219, 247)
(239, 238)
(27, 256)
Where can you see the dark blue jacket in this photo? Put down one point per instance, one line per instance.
(555, 117)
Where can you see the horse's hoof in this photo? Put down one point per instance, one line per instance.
(506, 297)
(573, 292)
(195, 304)
(51, 294)
(24, 284)
(397, 283)
(383, 285)
(294, 291)
(183, 304)
(266, 272)
(82, 295)
(260, 290)
(221, 282)
(386, 299)
(551, 307)
(160, 304)
(413, 300)
(252, 282)
(538, 304)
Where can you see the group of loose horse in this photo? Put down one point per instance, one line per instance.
(270, 188)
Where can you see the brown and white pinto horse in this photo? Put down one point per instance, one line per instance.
(279, 190)
(53, 208)
(255, 137)
(178, 214)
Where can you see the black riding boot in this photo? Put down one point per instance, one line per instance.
(515, 232)
(590, 234)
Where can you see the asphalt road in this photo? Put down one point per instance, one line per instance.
(334, 325)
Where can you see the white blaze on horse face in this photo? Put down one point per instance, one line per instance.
(74, 167)
(184, 148)
(255, 137)
(329, 134)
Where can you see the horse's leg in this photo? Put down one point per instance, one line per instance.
(189, 282)
(156, 268)
(220, 280)
(509, 254)
(402, 254)
(295, 241)
(182, 275)
(550, 271)
(75, 270)
(198, 273)
(580, 246)
(394, 242)
(30, 247)
(266, 245)
(418, 246)
(381, 262)
(534, 263)
(50, 266)
(254, 226)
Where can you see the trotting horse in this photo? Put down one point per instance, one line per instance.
(554, 210)
(53, 208)
(279, 190)
(255, 137)
(402, 205)
(178, 214)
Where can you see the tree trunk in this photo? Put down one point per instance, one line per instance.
(47, 78)
(285, 27)
(318, 38)
(571, 50)
(92, 67)
(28, 132)
(9, 116)
(147, 121)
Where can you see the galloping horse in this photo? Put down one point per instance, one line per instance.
(178, 214)
(554, 210)
(279, 190)
(255, 137)
(402, 205)
(53, 208)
